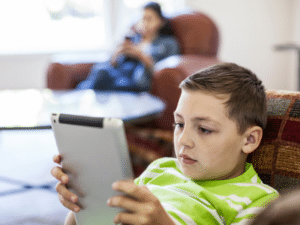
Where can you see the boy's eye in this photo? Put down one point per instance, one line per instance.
(204, 130)
(179, 125)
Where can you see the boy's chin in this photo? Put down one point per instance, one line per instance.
(197, 174)
(191, 173)
(194, 176)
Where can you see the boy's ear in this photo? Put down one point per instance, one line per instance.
(253, 136)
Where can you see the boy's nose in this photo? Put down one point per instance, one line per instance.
(185, 139)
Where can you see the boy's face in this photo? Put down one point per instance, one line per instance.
(207, 143)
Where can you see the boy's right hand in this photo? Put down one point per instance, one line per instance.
(67, 198)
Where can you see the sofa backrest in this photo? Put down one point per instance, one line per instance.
(277, 160)
(196, 34)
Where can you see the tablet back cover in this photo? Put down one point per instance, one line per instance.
(93, 157)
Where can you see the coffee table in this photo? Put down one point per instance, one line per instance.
(31, 108)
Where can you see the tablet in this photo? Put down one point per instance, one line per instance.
(94, 155)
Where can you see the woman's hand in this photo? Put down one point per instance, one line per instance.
(67, 198)
(141, 205)
(116, 54)
(131, 50)
(134, 51)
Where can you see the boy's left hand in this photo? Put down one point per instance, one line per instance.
(143, 207)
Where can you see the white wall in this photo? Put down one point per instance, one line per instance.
(249, 30)
(296, 39)
(23, 71)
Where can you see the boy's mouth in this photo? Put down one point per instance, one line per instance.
(186, 159)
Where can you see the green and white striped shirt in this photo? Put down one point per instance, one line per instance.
(233, 201)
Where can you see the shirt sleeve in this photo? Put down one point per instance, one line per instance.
(155, 164)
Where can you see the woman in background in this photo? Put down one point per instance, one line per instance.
(131, 65)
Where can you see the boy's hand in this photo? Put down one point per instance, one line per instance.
(67, 198)
(143, 207)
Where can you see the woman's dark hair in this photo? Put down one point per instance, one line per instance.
(167, 28)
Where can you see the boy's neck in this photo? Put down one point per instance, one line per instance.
(238, 171)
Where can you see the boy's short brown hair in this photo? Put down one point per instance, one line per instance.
(247, 98)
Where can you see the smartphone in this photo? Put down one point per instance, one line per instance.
(128, 38)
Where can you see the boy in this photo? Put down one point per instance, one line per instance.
(219, 120)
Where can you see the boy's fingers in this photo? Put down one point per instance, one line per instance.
(125, 203)
(59, 174)
(128, 218)
(65, 193)
(68, 204)
(57, 159)
(131, 189)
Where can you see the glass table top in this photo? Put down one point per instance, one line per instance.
(32, 107)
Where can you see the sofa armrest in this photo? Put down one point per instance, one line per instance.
(66, 76)
(168, 75)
